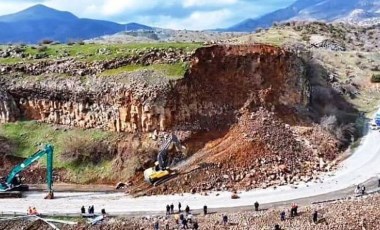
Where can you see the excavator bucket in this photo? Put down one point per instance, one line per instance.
(49, 196)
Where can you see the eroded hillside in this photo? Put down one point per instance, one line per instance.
(249, 115)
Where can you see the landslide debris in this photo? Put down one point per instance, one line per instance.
(249, 115)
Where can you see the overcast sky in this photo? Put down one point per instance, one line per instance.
(175, 14)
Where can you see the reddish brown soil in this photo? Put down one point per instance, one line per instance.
(247, 103)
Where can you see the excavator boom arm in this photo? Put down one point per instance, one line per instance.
(48, 150)
(162, 154)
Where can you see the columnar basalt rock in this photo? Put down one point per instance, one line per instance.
(8, 108)
(221, 80)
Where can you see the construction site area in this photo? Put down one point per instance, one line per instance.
(131, 129)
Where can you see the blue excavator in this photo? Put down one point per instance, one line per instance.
(12, 182)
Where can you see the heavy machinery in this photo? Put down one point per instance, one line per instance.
(13, 182)
(160, 172)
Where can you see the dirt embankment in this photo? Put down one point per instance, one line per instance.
(247, 114)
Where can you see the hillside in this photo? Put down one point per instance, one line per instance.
(270, 117)
(40, 22)
(354, 11)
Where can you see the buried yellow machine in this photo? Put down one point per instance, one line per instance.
(160, 172)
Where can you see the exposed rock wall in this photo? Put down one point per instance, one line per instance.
(221, 80)
(224, 79)
(8, 108)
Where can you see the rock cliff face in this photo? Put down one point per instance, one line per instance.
(8, 108)
(220, 81)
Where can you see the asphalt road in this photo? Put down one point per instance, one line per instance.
(361, 167)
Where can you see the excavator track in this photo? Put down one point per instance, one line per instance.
(10, 194)
(165, 179)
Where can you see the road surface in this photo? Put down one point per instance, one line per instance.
(361, 166)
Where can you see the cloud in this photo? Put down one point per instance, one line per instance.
(192, 3)
(198, 20)
(176, 14)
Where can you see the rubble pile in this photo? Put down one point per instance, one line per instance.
(360, 213)
(260, 151)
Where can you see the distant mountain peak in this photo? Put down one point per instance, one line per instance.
(38, 12)
(40, 22)
(355, 11)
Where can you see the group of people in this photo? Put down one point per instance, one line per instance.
(360, 190)
(294, 213)
(32, 211)
(91, 209)
(180, 218)
(170, 209)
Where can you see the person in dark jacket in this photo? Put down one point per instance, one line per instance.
(167, 209)
(184, 223)
(277, 227)
(156, 225)
(187, 209)
(256, 206)
(282, 216)
(195, 225)
(82, 210)
(225, 219)
(315, 217)
(172, 208)
(205, 210)
(179, 207)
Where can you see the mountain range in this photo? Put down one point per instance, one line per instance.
(352, 11)
(40, 22)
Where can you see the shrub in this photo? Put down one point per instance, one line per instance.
(46, 42)
(84, 150)
(375, 78)
(41, 48)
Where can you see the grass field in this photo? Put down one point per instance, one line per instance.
(94, 52)
(172, 71)
(27, 136)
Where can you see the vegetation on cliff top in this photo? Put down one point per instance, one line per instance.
(172, 71)
(86, 52)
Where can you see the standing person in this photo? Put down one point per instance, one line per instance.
(172, 208)
(378, 180)
(295, 209)
(225, 219)
(195, 225)
(256, 206)
(167, 227)
(179, 207)
(156, 225)
(89, 210)
(30, 210)
(167, 210)
(363, 189)
(292, 210)
(82, 210)
(187, 209)
(357, 190)
(184, 223)
(282, 215)
(205, 210)
(315, 217)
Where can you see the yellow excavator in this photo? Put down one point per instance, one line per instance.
(160, 172)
